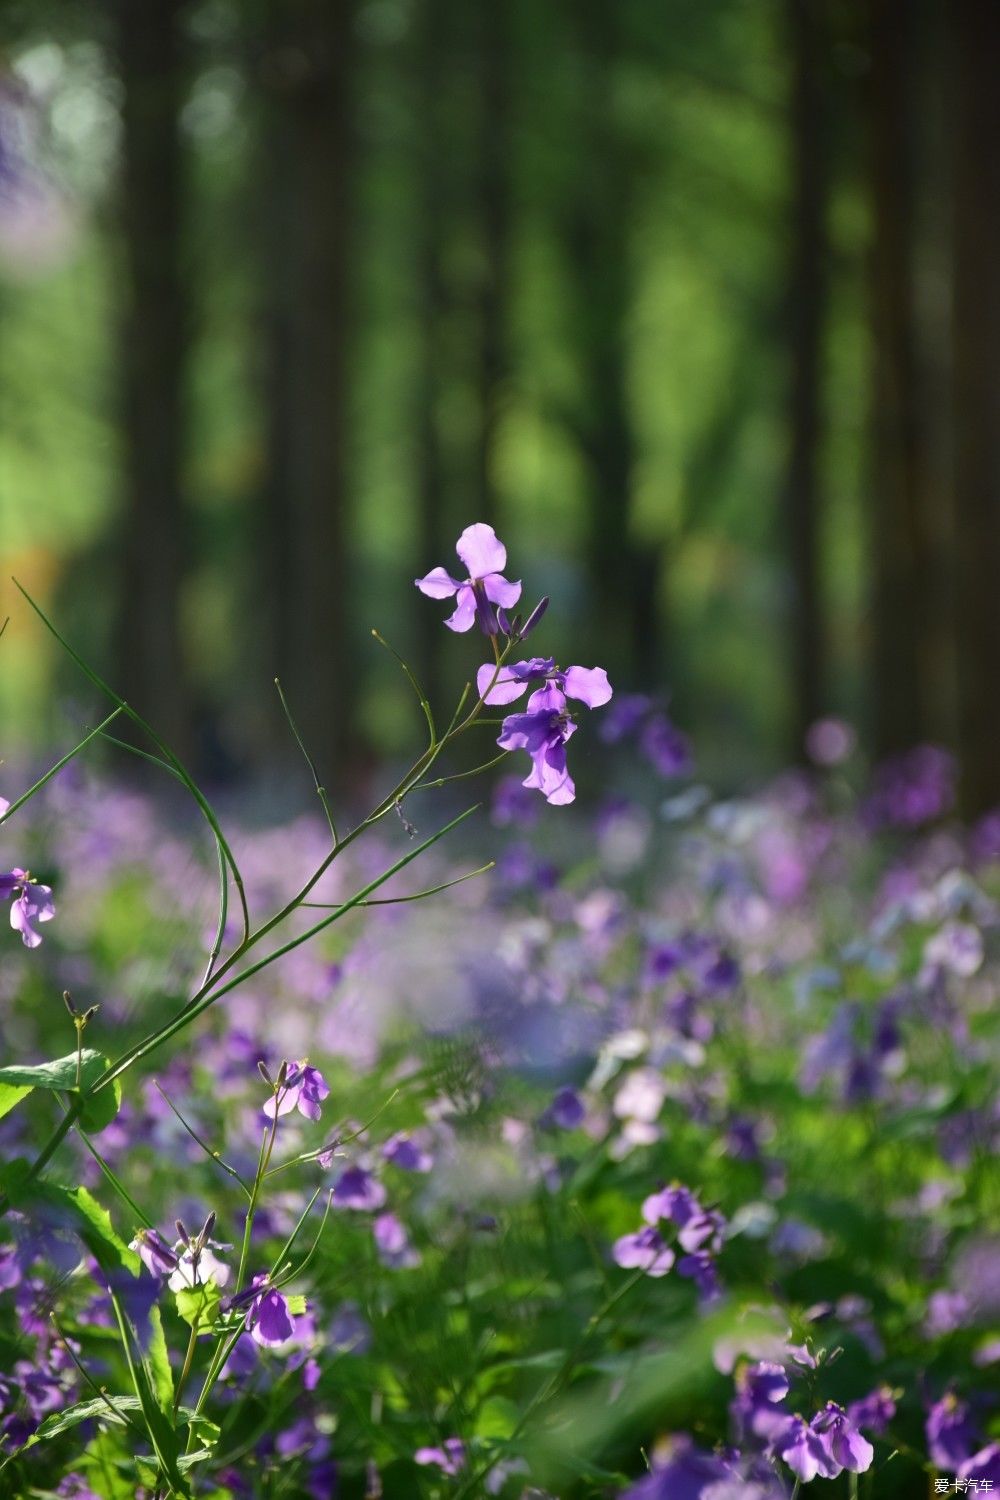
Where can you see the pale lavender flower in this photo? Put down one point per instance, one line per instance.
(304, 1089)
(154, 1252)
(484, 590)
(393, 1243)
(844, 1443)
(30, 902)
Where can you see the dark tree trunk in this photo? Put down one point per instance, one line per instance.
(150, 669)
(307, 71)
(976, 364)
(494, 204)
(433, 543)
(806, 313)
(903, 583)
(623, 574)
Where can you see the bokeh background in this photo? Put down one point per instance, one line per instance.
(696, 301)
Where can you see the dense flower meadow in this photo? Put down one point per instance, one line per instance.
(655, 1159)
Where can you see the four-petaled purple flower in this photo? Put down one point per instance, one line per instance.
(31, 903)
(479, 595)
(304, 1089)
(268, 1319)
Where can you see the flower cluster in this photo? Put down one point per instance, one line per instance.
(699, 1235)
(546, 725)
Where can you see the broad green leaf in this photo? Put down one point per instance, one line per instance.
(11, 1094)
(98, 1111)
(61, 1074)
(199, 1304)
(83, 1411)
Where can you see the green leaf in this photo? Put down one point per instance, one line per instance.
(161, 1377)
(99, 1111)
(83, 1411)
(296, 1304)
(61, 1074)
(199, 1305)
(11, 1094)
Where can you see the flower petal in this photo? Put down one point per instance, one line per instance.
(501, 591)
(481, 552)
(506, 688)
(589, 685)
(465, 615)
(438, 584)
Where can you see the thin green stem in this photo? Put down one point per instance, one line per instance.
(320, 788)
(54, 770)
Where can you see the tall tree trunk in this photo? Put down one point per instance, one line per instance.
(433, 542)
(307, 69)
(806, 310)
(976, 365)
(494, 204)
(624, 575)
(150, 668)
(903, 584)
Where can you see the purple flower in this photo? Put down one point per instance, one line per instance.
(643, 1250)
(984, 1465)
(952, 1435)
(359, 1190)
(686, 1474)
(31, 903)
(304, 1089)
(667, 750)
(404, 1153)
(393, 1243)
(196, 1264)
(543, 731)
(678, 1204)
(449, 1458)
(844, 1443)
(875, 1411)
(268, 1319)
(566, 1111)
(760, 1388)
(546, 726)
(588, 685)
(484, 590)
(154, 1252)
(804, 1451)
(700, 1268)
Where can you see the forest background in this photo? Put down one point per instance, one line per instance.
(696, 301)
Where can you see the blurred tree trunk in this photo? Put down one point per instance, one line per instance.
(976, 365)
(494, 207)
(307, 70)
(433, 543)
(623, 574)
(903, 585)
(150, 670)
(807, 301)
